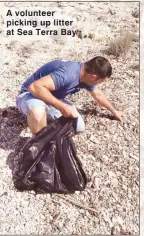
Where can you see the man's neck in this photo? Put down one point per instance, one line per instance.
(82, 74)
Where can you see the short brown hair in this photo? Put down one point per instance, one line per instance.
(99, 66)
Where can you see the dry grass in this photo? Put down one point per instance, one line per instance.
(135, 13)
(135, 67)
(121, 44)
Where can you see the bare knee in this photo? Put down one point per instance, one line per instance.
(37, 114)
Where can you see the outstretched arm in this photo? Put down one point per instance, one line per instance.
(99, 96)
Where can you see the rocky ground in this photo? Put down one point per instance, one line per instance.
(109, 150)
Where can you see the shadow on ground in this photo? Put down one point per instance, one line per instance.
(12, 123)
(94, 112)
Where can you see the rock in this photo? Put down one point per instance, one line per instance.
(114, 182)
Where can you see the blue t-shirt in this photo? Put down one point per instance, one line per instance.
(66, 77)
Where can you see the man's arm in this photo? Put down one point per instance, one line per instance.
(42, 88)
(99, 96)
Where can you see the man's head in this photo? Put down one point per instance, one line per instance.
(96, 70)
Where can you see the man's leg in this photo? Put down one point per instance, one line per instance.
(37, 119)
(80, 122)
(34, 109)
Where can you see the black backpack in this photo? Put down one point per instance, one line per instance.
(48, 162)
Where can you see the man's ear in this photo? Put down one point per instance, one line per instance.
(94, 77)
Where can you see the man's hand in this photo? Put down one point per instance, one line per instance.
(99, 96)
(68, 111)
(119, 115)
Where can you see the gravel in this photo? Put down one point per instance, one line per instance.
(108, 149)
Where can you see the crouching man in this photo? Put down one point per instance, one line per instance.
(43, 95)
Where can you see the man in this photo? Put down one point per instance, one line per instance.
(43, 94)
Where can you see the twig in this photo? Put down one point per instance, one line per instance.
(76, 203)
